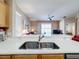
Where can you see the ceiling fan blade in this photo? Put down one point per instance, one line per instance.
(49, 19)
(52, 16)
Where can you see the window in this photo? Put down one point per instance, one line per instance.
(46, 29)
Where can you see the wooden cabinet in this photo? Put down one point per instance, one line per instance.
(46, 56)
(4, 57)
(53, 56)
(49, 56)
(2, 15)
(24, 57)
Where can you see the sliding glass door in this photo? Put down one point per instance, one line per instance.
(46, 29)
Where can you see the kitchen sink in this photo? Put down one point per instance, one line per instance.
(49, 45)
(38, 45)
(30, 45)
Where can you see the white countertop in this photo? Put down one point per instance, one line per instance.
(11, 45)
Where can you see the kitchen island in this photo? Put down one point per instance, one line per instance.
(12, 44)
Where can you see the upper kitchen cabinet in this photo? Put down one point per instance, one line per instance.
(3, 11)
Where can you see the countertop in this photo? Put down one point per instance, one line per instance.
(11, 45)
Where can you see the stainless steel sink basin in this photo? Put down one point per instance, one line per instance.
(49, 45)
(30, 45)
(38, 45)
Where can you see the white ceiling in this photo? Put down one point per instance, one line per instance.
(40, 9)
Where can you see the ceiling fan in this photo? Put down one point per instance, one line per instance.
(50, 18)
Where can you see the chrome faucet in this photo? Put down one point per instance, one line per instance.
(40, 37)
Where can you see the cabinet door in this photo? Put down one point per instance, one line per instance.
(53, 56)
(2, 15)
(4, 57)
(25, 57)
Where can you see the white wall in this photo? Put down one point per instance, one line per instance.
(62, 25)
(25, 20)
(18, 22)
(70, 25)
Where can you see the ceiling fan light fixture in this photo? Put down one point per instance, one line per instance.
(50, 18)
